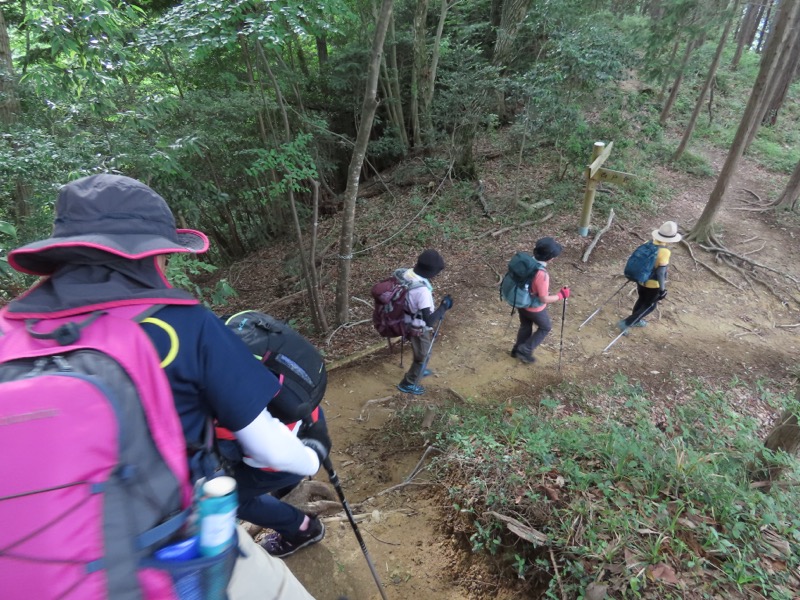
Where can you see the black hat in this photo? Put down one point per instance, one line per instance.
(111, 213)
(546, 249)
(429, 264)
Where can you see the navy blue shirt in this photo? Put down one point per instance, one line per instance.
(211, 371)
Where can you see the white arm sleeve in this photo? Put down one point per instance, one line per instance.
(269, 443)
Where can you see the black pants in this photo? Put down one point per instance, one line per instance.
(647, 297)
(527, 339)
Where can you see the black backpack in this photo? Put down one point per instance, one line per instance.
(291, 357)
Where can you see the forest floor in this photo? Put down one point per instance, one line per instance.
(705, 329)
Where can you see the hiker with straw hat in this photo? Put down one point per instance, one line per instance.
(653, 289)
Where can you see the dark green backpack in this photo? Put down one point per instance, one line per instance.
(515, 287)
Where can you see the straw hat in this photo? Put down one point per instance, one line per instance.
(668, 232)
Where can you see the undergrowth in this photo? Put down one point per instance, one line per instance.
(639, 510)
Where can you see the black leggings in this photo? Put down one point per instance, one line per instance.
(647, 297)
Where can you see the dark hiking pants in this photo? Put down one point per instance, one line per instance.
(647, 297)
(527, 339)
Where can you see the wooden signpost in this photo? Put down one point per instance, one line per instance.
(595, 173)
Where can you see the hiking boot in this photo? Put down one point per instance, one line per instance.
(640, 323)
(623, 327)
(280, 546)
(410, 388)
(528, 359)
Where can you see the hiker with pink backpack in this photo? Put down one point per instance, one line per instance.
(110, 379)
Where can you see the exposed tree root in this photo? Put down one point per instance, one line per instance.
(713, 270)
(752, 272)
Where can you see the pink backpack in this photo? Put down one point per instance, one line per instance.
(94, 475)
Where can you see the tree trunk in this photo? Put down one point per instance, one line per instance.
(785, 49)
(665, 83)
(394, 85)
(262, 129)
(511, 16)
(420, 59)
(748, 25)
(673, 94)
(766, 28)
(788, 198)
(9, 112)
(312, 285)
(784, 80)
(464, 164)
(784, 437)
(703, 229)
(430, 84)
(368, 109)
(712, 71)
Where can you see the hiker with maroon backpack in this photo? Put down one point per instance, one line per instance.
(420, 316)
(647, 266)
(84, 514)
(535, 313)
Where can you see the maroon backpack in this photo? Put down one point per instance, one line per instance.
(388, 315)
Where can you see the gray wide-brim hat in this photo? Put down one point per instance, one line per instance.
(112, 214)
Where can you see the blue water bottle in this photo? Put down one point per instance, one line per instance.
(217, 513)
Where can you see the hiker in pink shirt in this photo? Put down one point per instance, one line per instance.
(528, 340)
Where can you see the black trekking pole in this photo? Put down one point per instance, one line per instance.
(591, 316)
(646, 312)
(338, 487)
(561, 347)
(430, 349)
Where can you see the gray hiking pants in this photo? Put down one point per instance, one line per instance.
(527, 339)
(419, 347)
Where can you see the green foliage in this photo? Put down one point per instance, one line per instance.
(8, 233)
(183, 270)
(694, 164)
(628, 495)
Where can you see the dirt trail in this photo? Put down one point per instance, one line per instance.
(706, 328)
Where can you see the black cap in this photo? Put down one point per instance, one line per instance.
(546, 249)
(429, 264)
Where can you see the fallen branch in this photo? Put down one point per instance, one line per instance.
(414, 472)
(529, 534)
(482, 200)
(558, 575)
(512, 227)
(345, 326)
(535, 205)
(495, 271)
(383, 541)
(597, 237)
(368, 403)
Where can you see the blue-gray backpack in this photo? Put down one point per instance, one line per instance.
(642, 263)
(515, 286)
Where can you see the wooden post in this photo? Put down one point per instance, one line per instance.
(591, 187)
